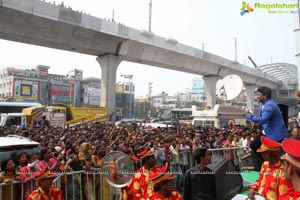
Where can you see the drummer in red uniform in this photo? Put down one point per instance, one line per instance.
(292, 167)
(141, 187)
(164, 185)
(271, 183)
(45, 191)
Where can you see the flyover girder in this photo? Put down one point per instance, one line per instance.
(44, 24)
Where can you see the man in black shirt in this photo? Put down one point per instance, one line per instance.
(199, 181)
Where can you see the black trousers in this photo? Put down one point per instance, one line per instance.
(257, 158)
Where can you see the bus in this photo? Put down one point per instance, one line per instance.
(181, 115)
(15, 107)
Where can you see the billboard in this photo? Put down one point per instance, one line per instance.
(197, 85)
(92, 96)
(120, 88)
(26, 90)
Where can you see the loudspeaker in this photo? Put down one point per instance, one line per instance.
(257, 161)
(247, 162)
(228, 179)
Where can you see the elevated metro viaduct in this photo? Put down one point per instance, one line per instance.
(44, 24)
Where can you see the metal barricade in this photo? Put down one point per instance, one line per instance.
(76, 185)
(89, 185)
(234, 153)
(10, 191)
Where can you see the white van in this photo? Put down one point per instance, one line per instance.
(11, 144)
(13, 119)
(220, 116)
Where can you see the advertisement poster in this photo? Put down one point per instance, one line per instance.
(26, 90)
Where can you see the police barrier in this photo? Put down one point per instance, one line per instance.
(91, 185)
(77, 185)
(234, 153)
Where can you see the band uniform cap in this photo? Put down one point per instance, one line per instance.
(268, 145)
(161, 175)
(145, 153)
(292, 152)
(44, 173)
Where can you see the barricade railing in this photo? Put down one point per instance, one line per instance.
(78, 185)
(89, 185)
(186, 159)
(8, 190)
(234, 153)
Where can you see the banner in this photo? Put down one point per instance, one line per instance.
(26, 90)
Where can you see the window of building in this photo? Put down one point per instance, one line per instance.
(127, 88)
(283, 93)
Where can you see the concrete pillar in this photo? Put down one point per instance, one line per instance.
(250, 88)
(109, 65)
(210, 86)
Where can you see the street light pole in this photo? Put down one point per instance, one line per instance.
(235, 50)
(203, 45)
(150, 16)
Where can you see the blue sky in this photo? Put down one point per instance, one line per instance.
(261, 35)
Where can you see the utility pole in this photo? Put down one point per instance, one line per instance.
(235, 50)
(150, 15)
(113, 16)
(203, 45)
(271, 61)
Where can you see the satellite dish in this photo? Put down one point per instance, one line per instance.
(118, 168)
(229, 87)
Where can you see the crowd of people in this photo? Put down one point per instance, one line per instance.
(82, 146)
(181, 148)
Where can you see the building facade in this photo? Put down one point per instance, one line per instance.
(90, 92)
(125, 99)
